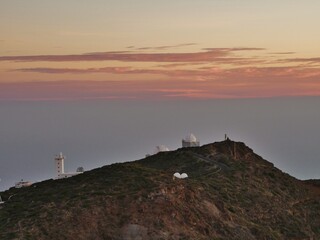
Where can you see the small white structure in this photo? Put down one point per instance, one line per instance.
(190, 141)
(1, 202)
(180, 176)
(160, 148)
(177, 175)
(184, 175)
(157, 149)
(22, 183)
(59, 161)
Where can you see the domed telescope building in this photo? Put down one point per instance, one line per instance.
(160, 148)
(190, 141)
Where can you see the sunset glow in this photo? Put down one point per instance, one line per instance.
(186, 49)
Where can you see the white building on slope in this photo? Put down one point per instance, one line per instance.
(59, 161)
(157, 149)
(190, 141)
(22, 183)
(160, 148)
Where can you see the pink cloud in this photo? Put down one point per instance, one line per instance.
(248, 72)
(119, 70)
(212, 73)
(245, 82)
(315, 60)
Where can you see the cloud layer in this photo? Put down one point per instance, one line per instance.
(242, 72)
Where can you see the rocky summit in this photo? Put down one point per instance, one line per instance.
(230, 193)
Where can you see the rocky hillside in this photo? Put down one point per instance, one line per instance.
(231, 193)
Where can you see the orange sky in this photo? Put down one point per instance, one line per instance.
(182, 49)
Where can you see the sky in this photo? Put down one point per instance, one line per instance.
(74, 57)
(158, 49)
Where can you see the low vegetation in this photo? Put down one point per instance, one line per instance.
(231, 193)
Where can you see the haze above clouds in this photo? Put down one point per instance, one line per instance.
(95, 133)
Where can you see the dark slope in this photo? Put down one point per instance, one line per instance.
(231, 193)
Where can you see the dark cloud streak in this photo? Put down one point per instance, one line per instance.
(235, 49)
(282, 53)
(167, 47)
(212, 55)
(302, 60)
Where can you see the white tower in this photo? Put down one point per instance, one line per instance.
(59, 160)
(190, 141)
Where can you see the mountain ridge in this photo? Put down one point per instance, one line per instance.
(231, 193)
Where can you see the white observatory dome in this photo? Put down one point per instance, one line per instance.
(183, 175)
(190, 138)
(161, 148)
(177, 175)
